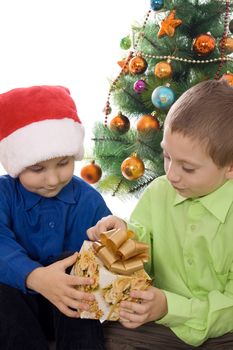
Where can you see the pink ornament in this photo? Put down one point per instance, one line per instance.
(139, 86)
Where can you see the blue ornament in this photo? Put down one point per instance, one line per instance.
(162, 97)
(156, 4)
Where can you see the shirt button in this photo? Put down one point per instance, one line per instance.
(52, 224)
(190, 261)
(193, 227)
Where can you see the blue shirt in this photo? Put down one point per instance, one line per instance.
(35, 230)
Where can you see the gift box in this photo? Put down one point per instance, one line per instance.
(116, 265)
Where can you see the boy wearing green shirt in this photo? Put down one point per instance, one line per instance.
(186, 217)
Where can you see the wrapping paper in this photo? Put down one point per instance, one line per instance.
(110, 287)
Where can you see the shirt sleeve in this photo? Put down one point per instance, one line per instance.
(203, 318)
(15, 264)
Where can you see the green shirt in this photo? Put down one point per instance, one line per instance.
(191, 244)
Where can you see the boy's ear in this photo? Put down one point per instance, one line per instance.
(229, 172)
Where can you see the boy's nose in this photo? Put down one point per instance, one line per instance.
(172, 174)
(52, 179)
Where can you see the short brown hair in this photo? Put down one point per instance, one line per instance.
(205, 112)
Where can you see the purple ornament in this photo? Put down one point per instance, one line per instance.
(139, 86)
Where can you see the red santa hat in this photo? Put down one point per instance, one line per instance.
(36, 124)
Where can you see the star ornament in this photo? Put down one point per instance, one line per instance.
(124, 66)
(169, 24)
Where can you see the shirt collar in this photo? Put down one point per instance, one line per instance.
(67, 194)
(217, 202)
(31, 199)
(179, 199)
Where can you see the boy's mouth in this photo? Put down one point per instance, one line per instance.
(178, 189)
(51, 190)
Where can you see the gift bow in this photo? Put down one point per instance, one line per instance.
(120, 253)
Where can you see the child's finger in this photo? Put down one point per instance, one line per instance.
(67, 311)
(146, 295)
(84, 297)
(129, 324)
(93, 234)
(90, 233)
(67, 262)
(79, 295)
(132, 317)
(77, 281)
(77, 304)
(133, 308)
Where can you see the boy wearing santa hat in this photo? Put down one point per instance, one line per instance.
(44, 211)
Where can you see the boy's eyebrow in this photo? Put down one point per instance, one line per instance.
(182, 160)
(35, 166)
(64, 157)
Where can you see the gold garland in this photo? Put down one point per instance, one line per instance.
(176, 58)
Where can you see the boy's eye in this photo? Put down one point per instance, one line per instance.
(63, 162)
(187, 170)
(36, 168)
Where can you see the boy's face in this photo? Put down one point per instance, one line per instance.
(190, 170)
(49, 177)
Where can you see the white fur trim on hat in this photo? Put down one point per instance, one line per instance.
(41, 141)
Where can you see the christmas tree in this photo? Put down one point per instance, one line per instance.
(179, 44)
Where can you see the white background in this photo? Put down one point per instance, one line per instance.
(74, 43)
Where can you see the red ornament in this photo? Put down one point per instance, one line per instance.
(91, 173)
(132, 168)
(147, 123)
(120, 124)
(204, 44)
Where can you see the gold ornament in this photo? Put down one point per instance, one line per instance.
(132, 168)
(163, 69)
(228, 77)
(120, 124)
(228, 45)
(137, 65)
(91, 173)
(169, 24)
(204, 44)
(147, 123)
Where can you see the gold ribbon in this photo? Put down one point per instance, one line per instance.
(120, 253)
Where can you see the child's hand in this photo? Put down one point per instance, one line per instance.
(153, 306)
(59, 288)
(105, 224)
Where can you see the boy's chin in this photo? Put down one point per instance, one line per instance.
(48, 193)
(186, 193)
